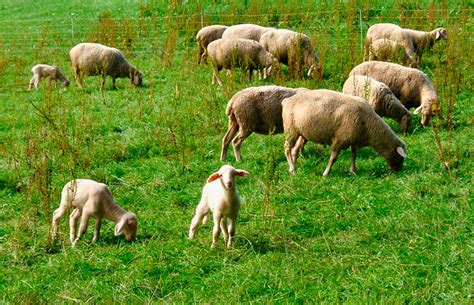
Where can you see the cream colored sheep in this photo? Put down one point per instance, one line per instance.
(411, 86)
(89, 59)
(51, 73)
(219, 196)
(245, 31)
(205, 36)
(89, 198)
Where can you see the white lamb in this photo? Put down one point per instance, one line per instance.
(91, 198)
(51, 73)
(219, 196)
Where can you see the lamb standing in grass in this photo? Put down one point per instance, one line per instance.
(294, 50)
(89, 198)
(205, 36)
(414, 42)
(236, 52)
(380, 97)
(254, 109)
(51, 73)
(245, 31)
(340, 120)
(411, 86)
(219, 196)
(95, 59)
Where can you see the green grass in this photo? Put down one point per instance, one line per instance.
(377, 237)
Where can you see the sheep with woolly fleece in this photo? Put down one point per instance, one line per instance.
(339, 120)
(219, 196)
(380, 97)
(245, 31)
(90, 59)
(411, 86)
(294, 50)
(205, 36)
(414, 42)
(89, 198)
(236, 52)
(254, 109)
(51, 73)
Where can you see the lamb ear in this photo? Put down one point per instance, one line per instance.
(119, 227)
(437, 35)
(241, 173)
(401, 151)
(418, 110)
(213, 177)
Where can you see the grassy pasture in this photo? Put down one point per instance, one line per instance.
(376, 237)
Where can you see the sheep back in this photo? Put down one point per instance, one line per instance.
(245, 31)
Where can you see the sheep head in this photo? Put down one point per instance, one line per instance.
(127, 225)
(226, 176)
(396, 158)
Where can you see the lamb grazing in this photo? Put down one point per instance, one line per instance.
(411, 86)
(95, 59)
(254, 109)
(339, 120)
(219, 196)
(205, 36)
(236, 52)
(245, 31)
(90, 198)
(414, 42)
(51, 73)
(294, 50)
(380, 97)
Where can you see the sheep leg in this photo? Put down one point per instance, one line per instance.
(57, 214)
(353, 159)
(332, 159)
(82, 226)
(76, 213)
(231, 231)
(102, 82)
(290, 142)
(243, 134)
(233, 128)
(34, 80)
(297, 148)
(201, 213)
(217, 228)
(48, 81)
(80, 79)
(98, 223)
(224, 229)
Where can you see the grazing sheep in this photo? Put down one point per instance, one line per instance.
(95, 59)
(219, 196)
(294, 50)
(414, 42)
(205, 36)
(411, 86)
(389, 50)
(236, 52)
(51, 73)
(254, 109)
(90, 198)
(339, 120)
(245, 31)
(380, 97)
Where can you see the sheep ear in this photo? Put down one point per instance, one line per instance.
(401, 151)
(310, 70)
(241, 173)
(119, 227)
(418, 110)
(438, 35)
(213, 177)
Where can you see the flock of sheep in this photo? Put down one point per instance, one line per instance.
(374, 89)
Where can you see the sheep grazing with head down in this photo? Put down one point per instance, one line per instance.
(411, 86)
(340, 120)
(205, 36)
(414, 42)
(89, 198)
(294, 50)
(245, 53)
(51, 73)
(89, 59)
(219, 196)
(380, 97)
(245, 31)
(254, 109)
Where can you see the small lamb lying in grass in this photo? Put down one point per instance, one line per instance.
(219, 196)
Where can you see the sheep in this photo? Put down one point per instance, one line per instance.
(219, 196)
(294, 50)
(414, 42)
(245, 31)
(389, 50)
(254, 109)
(90, 198)
(340, 120)
(51, 73)
(95, 59)
(411, 86)
(380, 97)
(205, 36)
(237, 52)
